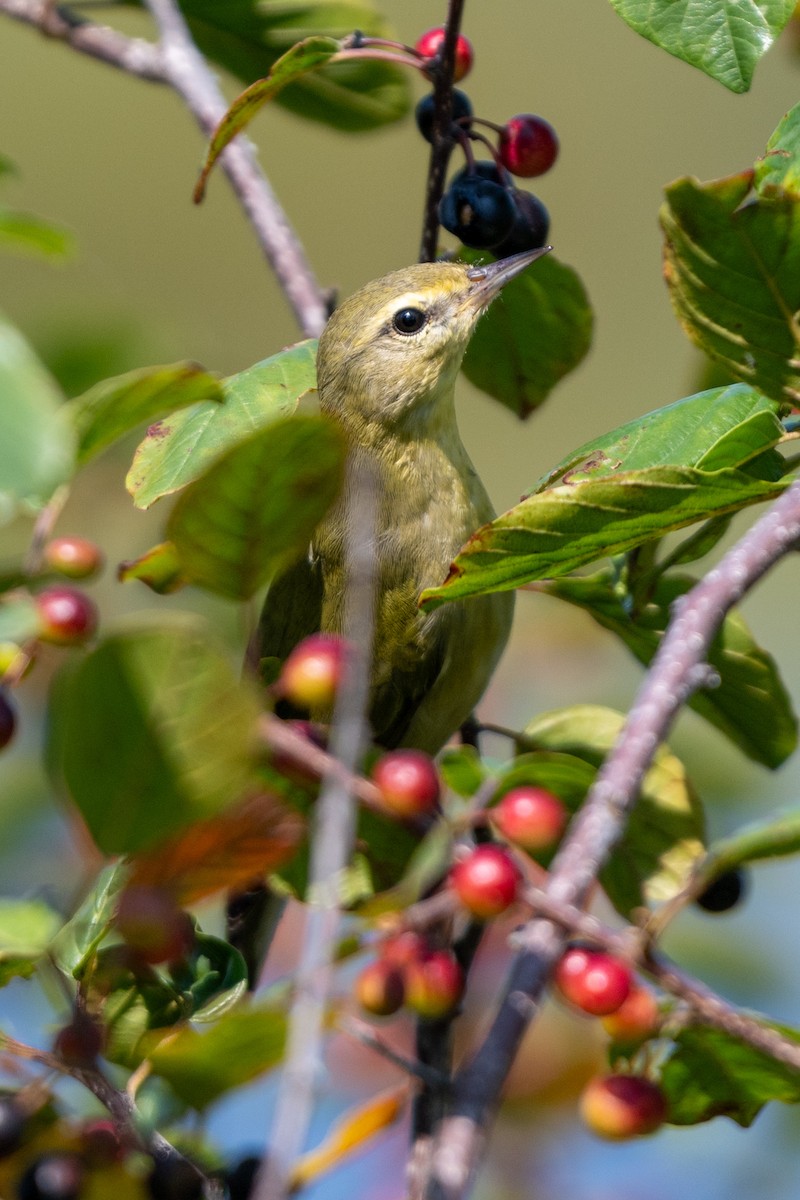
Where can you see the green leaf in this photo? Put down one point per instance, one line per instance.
(504, 357)
(159, 568)
(178, 450)
(712, 1074)
(732, 265)
(114, 407)
(27, 233)
(775, 837)
(246, 37)
(201, 1067)
(151, 731)
(462, 769)
(663, 839)
(779, 169)
(305, 56)
(724, 38)
(255, 509)
(36, 443)
(213, 978)
(77, 941)
(572, 524)
(427, 866)
(750, 706)
(726, 426)
(26, 928)
(19, 619)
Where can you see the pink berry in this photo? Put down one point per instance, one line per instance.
(66, 616)
(408, 783)
(623, 1106)
(434, 984)
(379, 988)
(486, 882)
(430, 45)
(593, 981)
(528, 145)
(313, 671)
(73, 556)
(530, 817)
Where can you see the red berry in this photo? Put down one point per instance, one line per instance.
(153, 925)
(79, 1043)
(73, 556)
(379, 988)
(636, 1018)
(66, 616)
(313, 671)
(403, 948)
(408, 783)
(530, 817)
(623, 1106)
(593, 981)
(486, 881)
(8, 721)
(100, 1144)
(434, 984)
(430, 45)
(528, 145)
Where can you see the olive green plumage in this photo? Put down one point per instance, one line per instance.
(391, 387)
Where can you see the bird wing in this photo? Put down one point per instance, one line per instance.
(292, 611)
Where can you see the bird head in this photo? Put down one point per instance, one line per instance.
(390, 353)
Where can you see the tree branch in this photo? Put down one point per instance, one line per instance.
(135, 56)
(676, 671)
(441, 142)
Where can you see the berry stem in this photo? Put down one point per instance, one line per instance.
(402, 60)
(441, 145)
(358, 41)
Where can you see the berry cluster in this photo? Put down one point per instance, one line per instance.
(65, 617)
(409, 972)
(615, 1106)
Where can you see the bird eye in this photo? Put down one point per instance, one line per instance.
(409, 320)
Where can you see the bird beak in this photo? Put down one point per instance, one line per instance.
(488, 280)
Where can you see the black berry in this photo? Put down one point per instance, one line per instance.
(241, 1178)
(175, 1179)
(480, 213)
(485, 169)
(12, 1125)
(427, 106)
(8, 721)
(530, 227)
(52, 1177)
(725, 892)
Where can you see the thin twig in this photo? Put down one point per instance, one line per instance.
(135, 56)
(279, 736)
(369, 1038)
(672, 677)
(332, 844)
(441, 142)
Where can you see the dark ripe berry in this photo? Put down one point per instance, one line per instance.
(530, 817)
(637, 1018)
(593, 981)
(528, 145)
(8, 720)
(379, 988)
(313, 671)
(153, 925)
(100, 1144)
(480, 213)
(484, 168)
(74, 557)
(530, 227)
(241, 1178)
(12, 1125)
(79, 1043)
(175, 1179)
(486, 882)
(408, 782)
(426, 108)
(66, 616)
(430, 45)
(52, 1177)
(725, 892)
(434, 984)
(623, 1106)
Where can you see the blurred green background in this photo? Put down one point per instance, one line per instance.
(155, 279)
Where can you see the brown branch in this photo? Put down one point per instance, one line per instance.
(441, 142)
(676, 671)
(135, 56)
